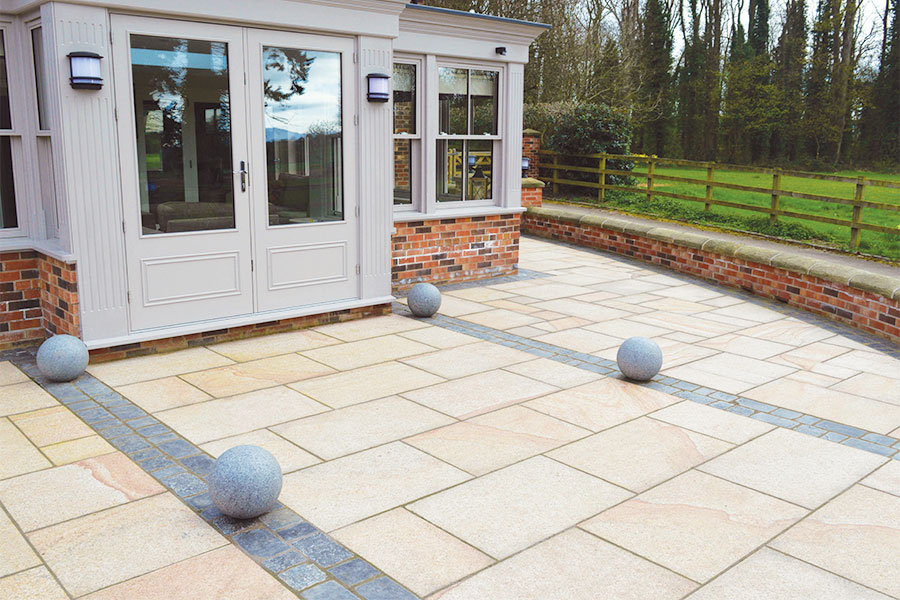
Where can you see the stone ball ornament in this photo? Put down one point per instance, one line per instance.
(424, 299)
(245, 482)
(639, 358)
(62, 358)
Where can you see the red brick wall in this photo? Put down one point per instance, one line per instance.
(531, 145)
(864, 310)
(445, 250)
(532, 196)
(59, 297)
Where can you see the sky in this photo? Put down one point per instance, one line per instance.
(320, 101)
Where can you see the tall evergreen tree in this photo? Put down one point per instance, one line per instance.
(790, 61)
(818, 123)
(881, 117)
(656, 63)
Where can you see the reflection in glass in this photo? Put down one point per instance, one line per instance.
(402, 171)
(183, 114)
(452, 94)
(483, 89)
(7, 187)
(304, 150)
(480, 159)
(5, 119)
(37, 48)
(404, 98)
(450, 170)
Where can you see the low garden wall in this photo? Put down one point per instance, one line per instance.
(865, 300)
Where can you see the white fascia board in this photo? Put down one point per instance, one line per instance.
(457, 24)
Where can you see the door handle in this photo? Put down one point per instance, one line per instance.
(245, 176)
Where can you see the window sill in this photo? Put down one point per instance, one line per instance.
(456, 213)
(51, 248)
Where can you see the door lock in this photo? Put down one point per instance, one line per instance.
(245, 176)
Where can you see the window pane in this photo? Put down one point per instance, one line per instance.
(483, 88)
(450, 170)
(453, 91)
(480, 160)
(37, 46)
(5, 120)
(402, 171)
(7, 187)
(404, 98)
(302, 94)
(183, 113)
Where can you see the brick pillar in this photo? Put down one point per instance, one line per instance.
(531, 145)
(532, 192)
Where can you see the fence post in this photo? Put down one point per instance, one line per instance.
(601, 194)
(857, 213)
(649, 180)
(710, 177)
(555, 173)
(776, 187)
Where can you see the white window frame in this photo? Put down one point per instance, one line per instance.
(416, 167)
(16, 79)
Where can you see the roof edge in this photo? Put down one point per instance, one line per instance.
(461, 13)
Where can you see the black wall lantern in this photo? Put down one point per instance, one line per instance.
(379, 87)
(84, 67)
(526, 163)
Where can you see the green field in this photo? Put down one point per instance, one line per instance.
(871, 242)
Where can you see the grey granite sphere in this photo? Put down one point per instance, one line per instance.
(424, 299)
(245, 482)
(62, 358)
(639, 358)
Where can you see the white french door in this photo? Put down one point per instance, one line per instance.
(237, 170)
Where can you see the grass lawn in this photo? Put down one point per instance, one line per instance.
(871, 242)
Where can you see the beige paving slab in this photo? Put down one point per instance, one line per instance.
(341, 432)
(776, 576)
(807, 357)
(583, 310)
(64, 453)
(626, 328)
(108, 547)
(75, 490)
(468, 360)
(457, 307)
(496, 439)
(573, 565)
(581, 340)
(515, 304)
(674, 305)
(732, 321)
(723, 301)
(156, 366)
(163, 394)
(528, 331)
(795, 467)
(749, 312)
(476, 394)
(562, 323)
(368, 383)
(553, 373)
(226, 417)
(696, 525)
(24, 397)
(33, 584)
(813, 378)
(831, 404)
(361, 329)
(788, 331)
(856, 535)
(686, 338)
(627, 287)
(439, 337)
(19, 455)
(729, 372)
(552, 291)
(687, 291)
(10, 374)
(501, 319)
(876, 363)
(15, 553)
(275, 343)
(886, 478)
(695, 325)
(353, 355)
(839, 340)
(224, 574)
(479, 294)
(714, 422)
(345, 490)
(289, 456)
(411, 550)
(674, 352)
(876, 387)
(51, 425)
(745, 346)
(246, 377)
(602, 404)
(640, 454)
(510, 509)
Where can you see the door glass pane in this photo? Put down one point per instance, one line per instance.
(37, 48)
(484, 86)
(183, 114)
(7, 187)
(302, 111)
(402, 171)
(450, 170)
(5, 119)
(480, 160)
(404, 98)
(452, 93)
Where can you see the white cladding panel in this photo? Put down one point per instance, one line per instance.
(185, 278)
(308, 264)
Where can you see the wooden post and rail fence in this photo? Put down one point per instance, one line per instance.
(557, 164)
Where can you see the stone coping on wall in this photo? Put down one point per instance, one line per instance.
(531, 183)
(883, 285)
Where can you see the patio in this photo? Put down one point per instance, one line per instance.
(492, 452)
